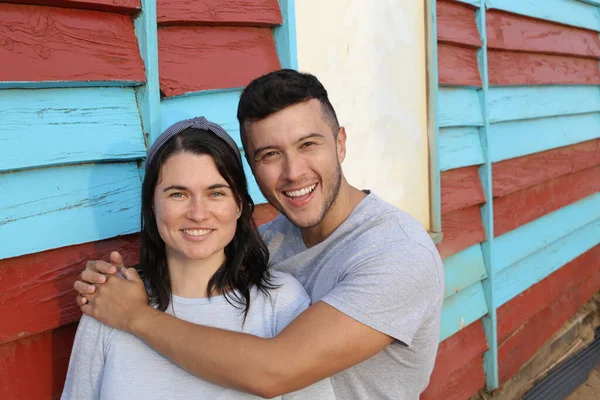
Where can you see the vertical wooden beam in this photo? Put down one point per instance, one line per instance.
(285, 36)
(490, 321)
(435, 218)
(148, 95)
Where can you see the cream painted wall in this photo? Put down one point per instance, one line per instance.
(370, 55)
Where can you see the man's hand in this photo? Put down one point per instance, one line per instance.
(94, 273)
(118, 301)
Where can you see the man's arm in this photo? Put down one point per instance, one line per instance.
(321, 342)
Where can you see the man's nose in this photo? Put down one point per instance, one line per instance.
(294, 167)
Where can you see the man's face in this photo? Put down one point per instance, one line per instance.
(295, 157)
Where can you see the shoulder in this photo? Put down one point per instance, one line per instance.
(288, 288)
(279, 225)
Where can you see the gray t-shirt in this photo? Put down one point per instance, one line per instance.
(110, 364)
(381, 268)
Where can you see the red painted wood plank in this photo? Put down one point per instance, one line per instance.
(456, 24)
(263, 13)
(519, 208)
(36, 367)
(57, 44)
(518, 173)
(460, 385)
(460, 188)
(462, 228)
(515, 68)
(517, 311)
(264, 213)
(120, 6)
(457, 351)
(36, 290)
(458, 65)
(514, 352)
(515, 32)
(201, 58)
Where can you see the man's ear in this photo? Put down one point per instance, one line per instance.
(340, 142)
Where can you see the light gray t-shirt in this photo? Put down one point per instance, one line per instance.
(381, 268)
(110, 364)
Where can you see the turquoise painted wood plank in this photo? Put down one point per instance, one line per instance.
(515, 103)
(61, 206)
(568, 12)
(58, 126)
(594, 2)
(463, 269)
(534, 236)
(462, 309)
(490, 321)
(459, 147)
(149, 94)
(522, 275)
(475, 3)
(459, 107)
(66, 84)
(217, 106)
(518, 138)
(285, 36)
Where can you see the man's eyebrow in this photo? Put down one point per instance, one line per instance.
(313, 135)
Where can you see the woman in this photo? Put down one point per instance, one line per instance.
(202, 260)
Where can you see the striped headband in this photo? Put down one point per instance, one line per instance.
(195, 123)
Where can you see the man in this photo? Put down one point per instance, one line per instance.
(373, 274)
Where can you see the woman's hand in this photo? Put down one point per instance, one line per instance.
(118, 301)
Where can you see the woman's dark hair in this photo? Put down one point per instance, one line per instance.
(246, 256)
(280, 89)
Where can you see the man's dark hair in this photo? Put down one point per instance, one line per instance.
(277, 90)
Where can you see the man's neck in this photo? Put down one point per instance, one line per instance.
(346, 201)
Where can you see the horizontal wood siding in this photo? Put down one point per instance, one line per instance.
(519, 33)
(456, 24)
(459, 355)
(526, 205)
(566, 12)
(62, 206)
(522, 344)
(458, 43)
(120, 6)
(36, 290)
(35, 367)
(47, 127)
(197, 58)
(47, 44)
(263, 13)
(462, 228)
(519, 173)
(516, 68)
(515, 313)
(461, 188)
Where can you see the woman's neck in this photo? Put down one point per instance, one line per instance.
(189, 278)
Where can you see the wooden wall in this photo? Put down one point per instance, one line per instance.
(532, 118)
(108, 77)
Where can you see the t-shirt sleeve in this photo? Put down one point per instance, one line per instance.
(86, 366)
(391, 289)
(290, 300)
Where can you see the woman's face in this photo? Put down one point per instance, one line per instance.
(196, 210)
